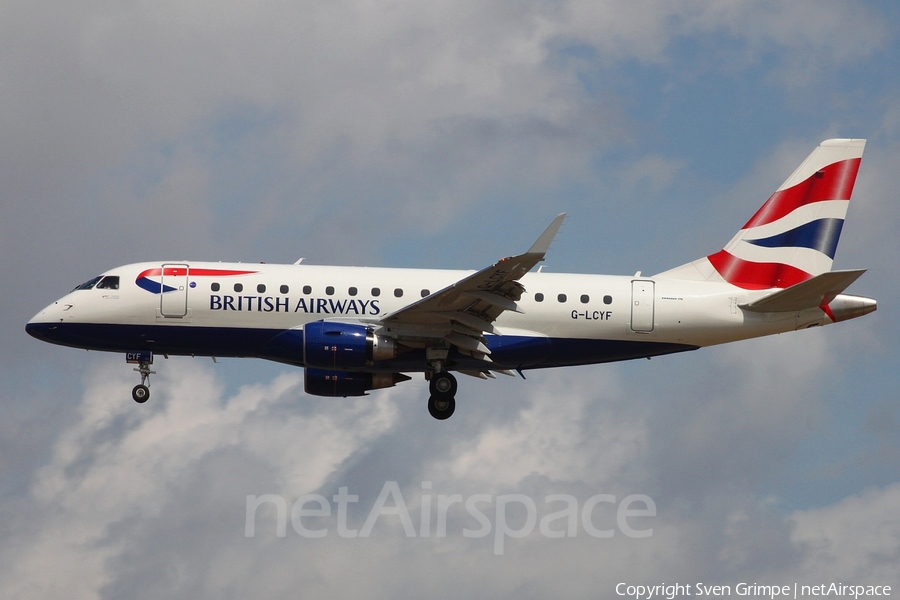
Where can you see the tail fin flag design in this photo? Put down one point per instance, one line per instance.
(794, 235)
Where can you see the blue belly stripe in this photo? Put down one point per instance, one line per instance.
(507, 352)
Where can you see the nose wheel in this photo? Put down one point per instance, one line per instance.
(143, 360)
(140, 393)
(442, 402)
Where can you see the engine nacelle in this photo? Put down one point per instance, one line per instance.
(319, 382)
(335, 345)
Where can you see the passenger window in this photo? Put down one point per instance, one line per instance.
(329, 290)
(214, 287)
(561, 298)
(398, 293)
(607, 299)
(376, 292)
(352, 291)
(539, 297)
(307, 289)
(261, 289)
(585, 298)
(239, 287)
(110, 282)
(284, 289)
(425, 293)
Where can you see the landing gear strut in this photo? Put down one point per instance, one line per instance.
(141, 392)
(442, 403)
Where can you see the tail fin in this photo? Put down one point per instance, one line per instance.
(794, 235)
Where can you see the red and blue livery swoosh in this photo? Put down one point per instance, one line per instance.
(143, 280)
(831, 182)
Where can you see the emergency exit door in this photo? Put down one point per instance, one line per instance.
(642, 293)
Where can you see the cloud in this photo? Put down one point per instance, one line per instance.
(119, 467)
(855, 540)
(656, 172)
(334, 113)
(150, 500)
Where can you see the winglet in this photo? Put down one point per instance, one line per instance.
(542, 244)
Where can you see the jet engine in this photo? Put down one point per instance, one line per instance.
(319, 382)
(334, 345)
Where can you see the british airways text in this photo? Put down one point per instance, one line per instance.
(328, 306)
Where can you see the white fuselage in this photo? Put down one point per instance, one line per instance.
(265, 299)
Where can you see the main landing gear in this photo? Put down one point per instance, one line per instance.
(141, 392)
(442, 402)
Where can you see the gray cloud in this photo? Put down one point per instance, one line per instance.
(150, 501)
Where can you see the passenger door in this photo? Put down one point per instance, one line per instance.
(642, 292)
(173, 299)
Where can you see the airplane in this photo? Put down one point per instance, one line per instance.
(357, 329)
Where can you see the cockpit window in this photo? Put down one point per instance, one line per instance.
(110, 282)
(87, 285)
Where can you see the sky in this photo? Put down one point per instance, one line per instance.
(440, 134)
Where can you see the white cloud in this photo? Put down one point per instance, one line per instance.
(856, 540)
(571, 426)
(392, 114)
(122, 463)
(148, 500)
(656, 172)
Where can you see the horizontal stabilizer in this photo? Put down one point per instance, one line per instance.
(812, 293)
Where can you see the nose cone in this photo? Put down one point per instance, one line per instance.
(36, 329)
(45, 325)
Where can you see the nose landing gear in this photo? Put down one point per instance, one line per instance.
(141, 392)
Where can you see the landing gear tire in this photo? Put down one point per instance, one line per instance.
(140, 393)
(442, 385)
(442, 402)
(441, 408)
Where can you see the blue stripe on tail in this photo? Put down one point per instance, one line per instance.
(821, 235)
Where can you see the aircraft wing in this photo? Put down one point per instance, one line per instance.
(461, 313)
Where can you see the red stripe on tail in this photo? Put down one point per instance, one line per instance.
(834, 182)
(756, 276)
